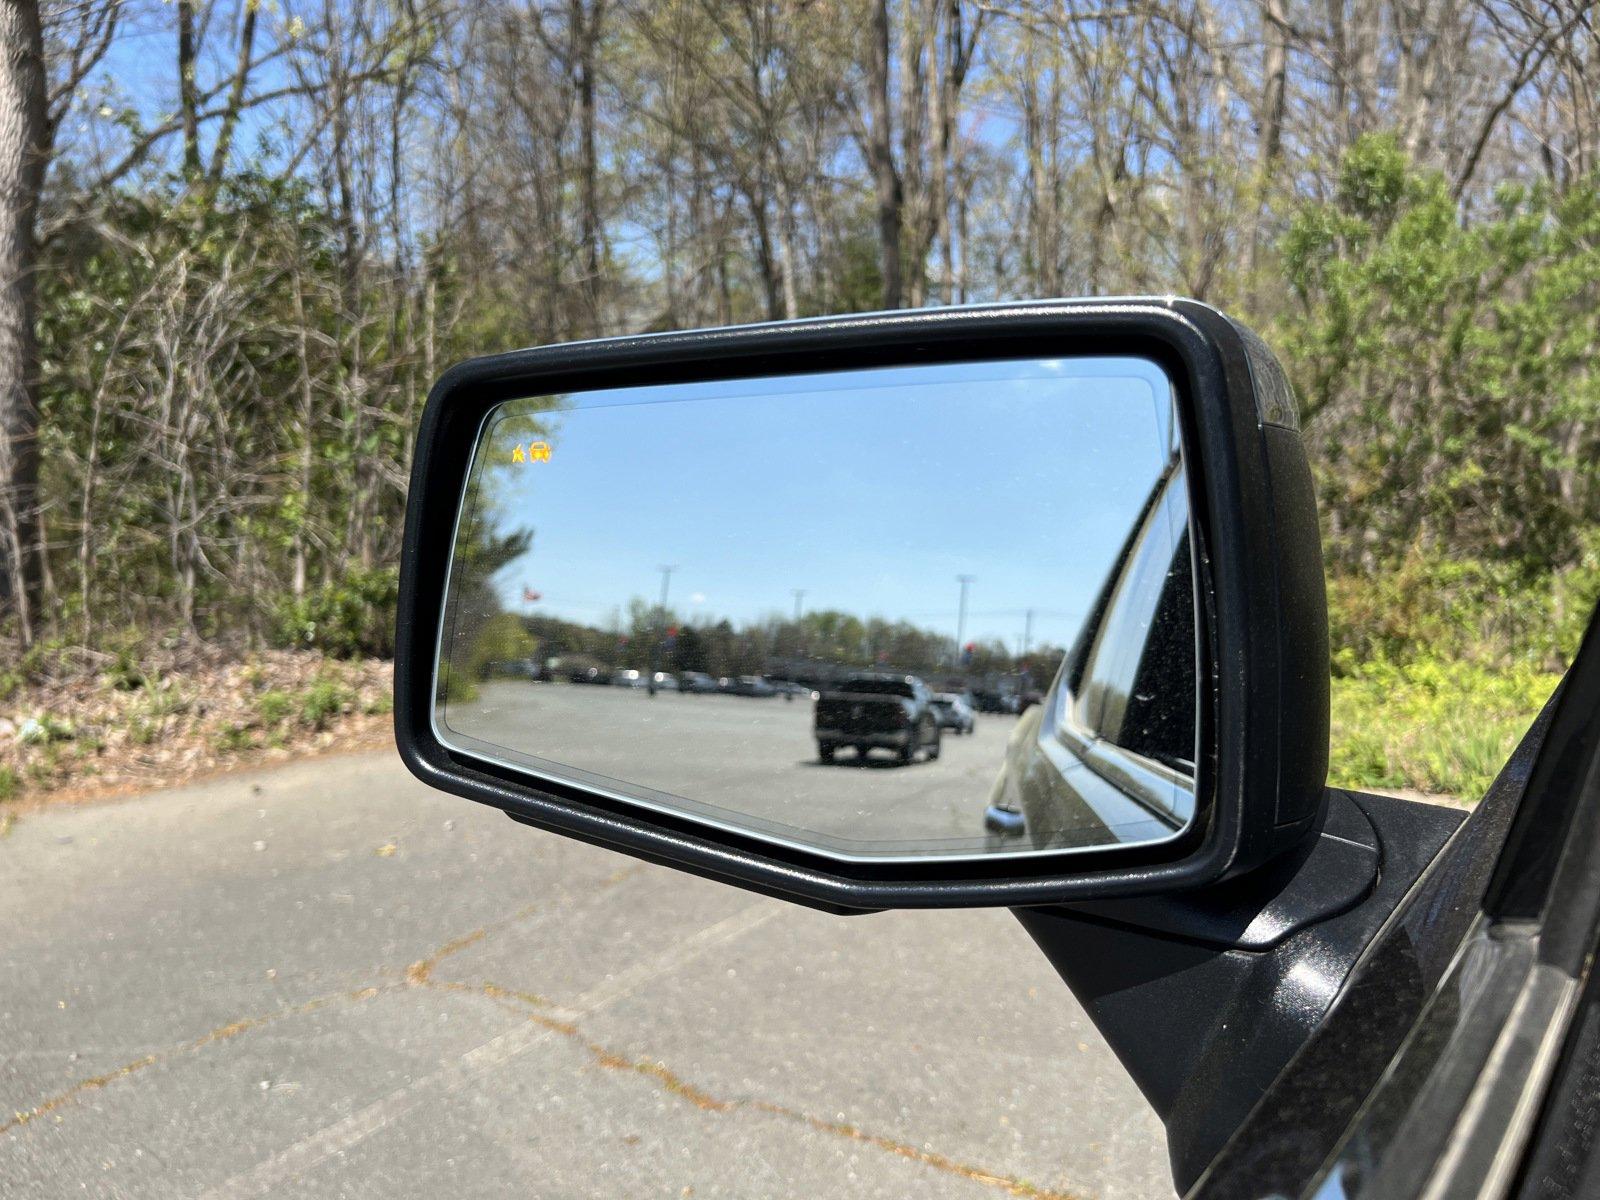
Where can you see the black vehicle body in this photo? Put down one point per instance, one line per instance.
(877, 710)
(1461, 1056)
(696, 682)
(1323, 994)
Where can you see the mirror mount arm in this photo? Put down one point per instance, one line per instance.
(1205, 996)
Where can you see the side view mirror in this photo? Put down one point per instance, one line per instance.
(1048, 579)
(1122, 483)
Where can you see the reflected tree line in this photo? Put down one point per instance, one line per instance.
(815, 648)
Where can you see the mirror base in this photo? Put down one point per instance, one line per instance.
(1208, 996)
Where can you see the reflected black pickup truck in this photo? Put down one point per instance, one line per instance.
(891, 711)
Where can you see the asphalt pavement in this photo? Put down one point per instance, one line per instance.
(742, 757)
(327, 981)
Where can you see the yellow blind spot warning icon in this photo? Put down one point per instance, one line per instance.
(536, 452)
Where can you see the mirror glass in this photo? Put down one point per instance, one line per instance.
(940, 611)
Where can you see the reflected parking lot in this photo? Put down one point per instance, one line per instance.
(758, 754)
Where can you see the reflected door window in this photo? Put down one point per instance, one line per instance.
(1137, 688)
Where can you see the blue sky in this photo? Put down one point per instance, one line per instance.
(871, 490)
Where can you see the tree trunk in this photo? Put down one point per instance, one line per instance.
(880, 153)
(23, 154)
(587, 35)
(188, 96)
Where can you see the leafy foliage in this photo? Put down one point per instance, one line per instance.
(348, 618)
(1448, 369)
(1434, 726)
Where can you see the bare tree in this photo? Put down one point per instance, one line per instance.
(24, 150)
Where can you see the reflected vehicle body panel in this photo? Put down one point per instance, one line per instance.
(696, 681)
(1107, 756)
(953, 712)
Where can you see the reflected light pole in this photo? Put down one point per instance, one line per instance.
(961, 613)
(661, 627)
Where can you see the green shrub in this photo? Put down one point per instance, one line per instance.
(349, 618)
(325, 699)
(10, 783)
(126, 672)
(164, 699)
(42, 658)
(1439, 727)
(274, 706)
(503, 638)
(459, 687)
(234, 739)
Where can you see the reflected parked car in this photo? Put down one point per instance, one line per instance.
(996, 702)
(789, 689)
(696, 681)
(665, 681)
(588, 675)
(745, 685)
(953, 712)
(629, 679)
(868, 710)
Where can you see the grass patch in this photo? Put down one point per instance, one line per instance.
(324, 700)
(274, 706)
(1445, 728)
(233, 739)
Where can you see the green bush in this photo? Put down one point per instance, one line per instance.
(274, 706)
(1434, 726)
(325, 699)
(10, 783)
(503, 638)
(1431, 607)
(349, 618)
(234, 739)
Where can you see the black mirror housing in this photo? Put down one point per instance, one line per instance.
(1261, 616)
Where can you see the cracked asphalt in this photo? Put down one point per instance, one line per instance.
(326, 980)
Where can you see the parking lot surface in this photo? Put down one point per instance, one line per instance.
(755, 757)
(325, 980)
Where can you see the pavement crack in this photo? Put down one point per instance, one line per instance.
(528, 1005)
(220, 1034)
(670, 1081)
(420, 973)
(417, 974)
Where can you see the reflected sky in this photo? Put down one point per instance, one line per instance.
(871, 490)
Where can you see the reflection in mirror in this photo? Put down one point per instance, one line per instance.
(938, 611)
